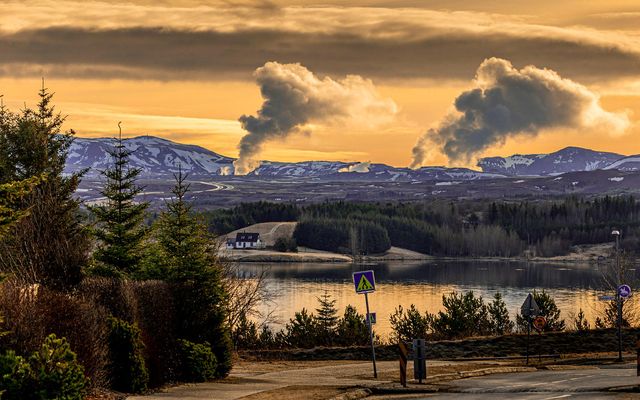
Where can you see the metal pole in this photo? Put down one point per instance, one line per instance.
(373, 350)
(619, 299)
(528, 336)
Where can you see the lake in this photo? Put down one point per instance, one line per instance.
(573, 286)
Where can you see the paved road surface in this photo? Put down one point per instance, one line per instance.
(567, 384)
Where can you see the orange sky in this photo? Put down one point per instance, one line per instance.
(198, 99)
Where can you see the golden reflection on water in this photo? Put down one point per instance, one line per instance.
(295, 292)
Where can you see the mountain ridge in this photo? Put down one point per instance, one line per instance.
(160, 157)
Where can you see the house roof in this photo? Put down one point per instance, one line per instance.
(247, 237)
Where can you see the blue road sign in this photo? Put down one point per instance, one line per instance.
(364, 281)
(372, 317)
(606, 298)
(624, 291)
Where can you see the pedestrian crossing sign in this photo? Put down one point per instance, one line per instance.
(364, 281)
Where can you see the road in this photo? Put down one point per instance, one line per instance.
(566, 384)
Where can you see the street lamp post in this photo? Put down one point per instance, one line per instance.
(616, 233)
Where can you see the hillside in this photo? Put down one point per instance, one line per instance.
(271, 231)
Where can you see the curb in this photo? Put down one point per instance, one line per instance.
(353, 395)
(430, 382)
(479, 372)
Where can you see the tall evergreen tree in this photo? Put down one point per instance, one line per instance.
(499, 322)
(120, 221)
(187, 258)
(326, 319)
(51, 245)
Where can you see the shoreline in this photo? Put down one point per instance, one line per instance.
(265, 256)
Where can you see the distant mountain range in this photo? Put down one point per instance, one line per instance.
(162, 157)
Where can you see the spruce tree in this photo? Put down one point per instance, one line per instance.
(499, 322)
(120, 220)
(49, 246)
(187, 258)
(326, 319)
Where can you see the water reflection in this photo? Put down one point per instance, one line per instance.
(574, 286)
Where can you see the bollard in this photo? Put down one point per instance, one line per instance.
(419, 360)
(404, 356)
(638, 357)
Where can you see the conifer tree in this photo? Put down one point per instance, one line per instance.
(326, 318)
(51, 245)
(120, 220)
(187, 258)
(499, 322)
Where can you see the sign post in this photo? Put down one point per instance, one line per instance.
(404, 356)
(622, 293)
(529, 310)
(365, 283)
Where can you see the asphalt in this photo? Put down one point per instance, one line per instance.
(597, 383)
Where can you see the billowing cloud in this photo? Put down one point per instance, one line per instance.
(362, 167)
(294, 97)
(507, 102)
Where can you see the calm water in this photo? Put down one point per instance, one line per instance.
(423, 284)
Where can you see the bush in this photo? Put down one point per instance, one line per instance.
(302, 330)
(51, 373)
(410, 324)
(156, 320)
(499, 322)
(127, 367)
(198, 363)
(464, 315)
(31, 313)
(116, 295)
(548, 309)
(352, 328)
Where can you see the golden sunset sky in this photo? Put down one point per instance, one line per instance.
(183, 69)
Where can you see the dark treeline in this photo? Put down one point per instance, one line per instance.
(463, 228)
(227, 220)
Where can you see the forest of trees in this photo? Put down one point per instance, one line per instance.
(463, 228)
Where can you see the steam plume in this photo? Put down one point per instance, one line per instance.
(506, 102)
(362, 167)
(294, 97)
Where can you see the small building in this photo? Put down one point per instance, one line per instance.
(245, 240)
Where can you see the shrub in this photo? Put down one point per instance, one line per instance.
(301, 331)
(352, 328)
(499, 322)
(198, 363)
(31, 313)
(581, 323)
(50, 373)
(409, 324)
(156, 319)
(548, 309)
(464, 315)
(245, 334)
(116, 295)
(128, 371)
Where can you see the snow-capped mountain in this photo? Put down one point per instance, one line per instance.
(630, 163)
(155, 156)
(569, 159)
(161, 157)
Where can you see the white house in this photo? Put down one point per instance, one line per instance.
(245, 240)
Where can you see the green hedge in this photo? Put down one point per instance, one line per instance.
(197, 361)
(127, 367)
